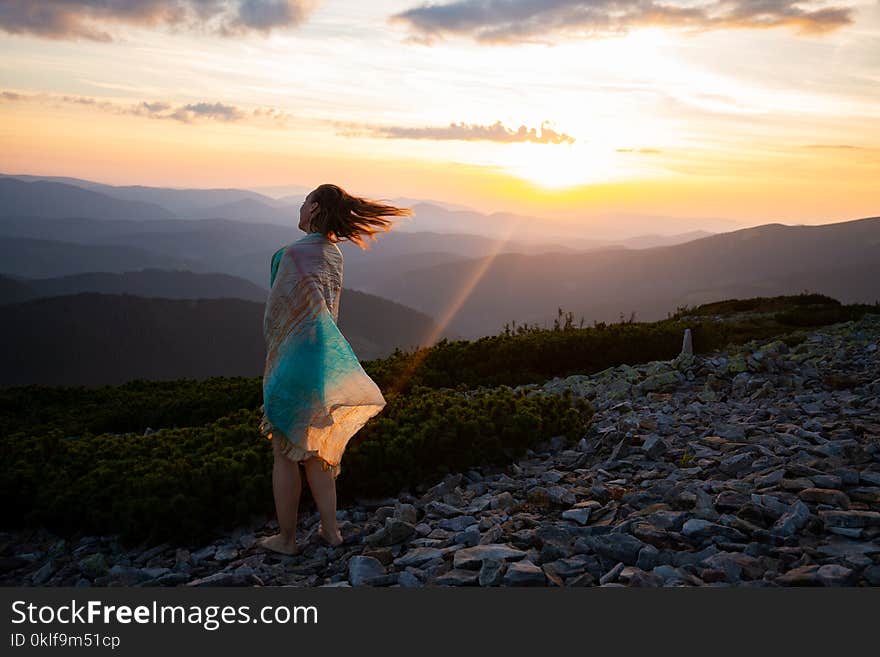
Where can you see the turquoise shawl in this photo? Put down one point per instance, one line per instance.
(316, 395)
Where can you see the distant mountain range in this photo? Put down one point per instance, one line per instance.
(45, 196)
(51, 200)
(178, 202)
(841, 260)
(60, 237)
(107, 339)
(40, 248)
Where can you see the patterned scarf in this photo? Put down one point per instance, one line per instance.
(315, 391)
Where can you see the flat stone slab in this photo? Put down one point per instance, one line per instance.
(473, 557)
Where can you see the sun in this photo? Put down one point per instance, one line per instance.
(556, 166)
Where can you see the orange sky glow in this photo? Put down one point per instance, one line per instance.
(760, 119)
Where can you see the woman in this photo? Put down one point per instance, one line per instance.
(316, 395)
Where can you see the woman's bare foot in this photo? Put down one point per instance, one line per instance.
(332, 539)
(278, 543)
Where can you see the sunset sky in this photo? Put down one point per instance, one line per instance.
(752, 110)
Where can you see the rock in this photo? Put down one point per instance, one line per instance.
(816, 575)
(458, 577)
(687, 344)
(538, 496)
(561, 496)
(796, 484)
(126, 575)
(222, 579)
(361, 569)
(155, 551)
(616, 547)
(409, 581)
(868, 495)
(654, 446)
(406, 513)
(226, 553)
(204, 554)
(737, 365)
(850, 518)
(844, 549)
(872, 575)
(492, 535)
(177, 579)
(792, 520)
(737, 463)
(612, 574)
(584, 579)
(468, 538)
(580, 516)
(702, 530)
(770, 479)
(458, 523)
(647, 558)
(473, 557)
(827, 481)
(43, 574)
(491, 572)
(93, 565)
(825, 496)
(730, 431)
(394, 531)
(636, 577)
(442, 510)
(657, 382)
(502, 501)
(735, 565)
(418, 556)
(524, 573)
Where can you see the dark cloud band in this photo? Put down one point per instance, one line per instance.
(91, 19)
(515, 21)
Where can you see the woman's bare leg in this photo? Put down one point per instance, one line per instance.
(286, 486)
(323, 486)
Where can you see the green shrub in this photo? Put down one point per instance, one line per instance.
(426, 433)
(536, 355)
(186, 484)
(134, 406)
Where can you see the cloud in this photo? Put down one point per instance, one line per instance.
(500, 22)
(155, 108)
(843, 146)
(280, 117)
(218, 111)
(264, 15)
(90, 19)
(643, 151)
(189, 113)
(464, 132)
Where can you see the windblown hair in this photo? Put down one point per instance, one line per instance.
(341, 216)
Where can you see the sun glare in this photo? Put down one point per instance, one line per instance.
(556, 166)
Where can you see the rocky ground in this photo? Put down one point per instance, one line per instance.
(758, 466)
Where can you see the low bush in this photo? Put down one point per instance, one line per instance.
(189, 483)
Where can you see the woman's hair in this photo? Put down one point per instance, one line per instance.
(342, 216)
